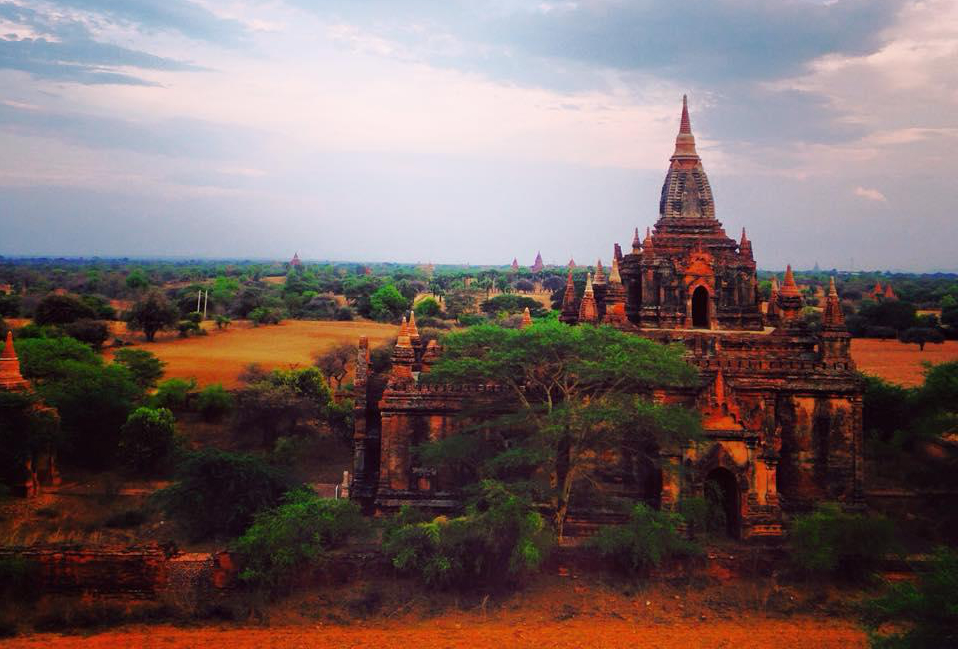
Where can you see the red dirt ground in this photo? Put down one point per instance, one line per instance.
(470, 632)
(223, 354)
(898, 362)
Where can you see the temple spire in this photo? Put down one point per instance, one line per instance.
(614, 277)
(686, 124)
(526, 319)
(789, 287)
(599, 277)
(636, 243)
(685, 141)
(10, 377)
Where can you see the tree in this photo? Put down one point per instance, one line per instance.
(147, 439)
(152, 314)
(897, 314)
(41, 359)
(91, 332)
(387, 304)
(137, 279)
(644, 542)
(26, 430)
(428, 308)
(510, 303)
(61, 309)
(275, 403)
(922, 336)
(334, 362)
(145, 367)
(218, 493)
(571, 396)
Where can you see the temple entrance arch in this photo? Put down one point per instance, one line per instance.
(700, 308)
(721, 493)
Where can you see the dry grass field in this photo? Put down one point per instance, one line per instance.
(897, 362)
(221, 356)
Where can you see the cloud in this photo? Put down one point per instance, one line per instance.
(870, 194)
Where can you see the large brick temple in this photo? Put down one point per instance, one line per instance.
(781, 407)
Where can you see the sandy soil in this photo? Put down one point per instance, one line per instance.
(223, 354)
(470, 632)
(897, 362)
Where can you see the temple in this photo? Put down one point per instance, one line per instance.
(781, 406)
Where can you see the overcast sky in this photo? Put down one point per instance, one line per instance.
(467, 131)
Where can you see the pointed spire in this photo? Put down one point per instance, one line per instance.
(647, 243)
(588, 309)
(890, 293)
(411, 330)
(789, 287)
(774, 284)
(588, 285)
(569, 311)
(636, 243)
(404, 327)
(10, 377)
(617, 252)
(526, 319)
(685, 141)
(599, 273)
(614, 277)
(745, 246)
(8, 349)
(686, 125)
(832, 317)
(744, 238)
(571, 264)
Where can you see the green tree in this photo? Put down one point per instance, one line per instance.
(647, 540)
(428, 308)
(569, 397)
(215, 493)
(91, 332)
(26, 429)
(387, 304)
(145, 367)
(921, 336)
(57, 309)
(147, 439)
(289, 542)
(152, 314)
(277, 402)
(137, 280)
(214, 401)
(41, 359)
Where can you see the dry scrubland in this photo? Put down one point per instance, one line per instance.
(221, 356)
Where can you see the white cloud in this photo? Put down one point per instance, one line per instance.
(870, 194)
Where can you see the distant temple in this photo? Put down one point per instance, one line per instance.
(781, 407)
(537, 265)
(295, 262)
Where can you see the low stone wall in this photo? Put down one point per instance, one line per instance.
(147, 572)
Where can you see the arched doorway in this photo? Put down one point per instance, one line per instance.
(721, 493)
(700, 308)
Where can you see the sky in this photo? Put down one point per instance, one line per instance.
(459, 131)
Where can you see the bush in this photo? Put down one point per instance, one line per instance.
(344, 314)
(921, 336)
(648, 539)
(187, 327)
(223, 322)
(263, 315)
(145, 367)
(91, 332)
(289, 542)
(214, 401)
(147, 439)
(880, 332)
(831, 542)
(925, 613)
(152, 314)
(500, 540)
(512, 303)
(174, 394)
(216, 493)
(387, 304)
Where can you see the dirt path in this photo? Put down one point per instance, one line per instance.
(469, 633)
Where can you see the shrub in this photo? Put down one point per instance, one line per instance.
(145, 367)
(218, 493)
(387, 304)
(174, 394)
(925, 613)
(647, 540)
(214, 401)
(289, 542)
(263, 315)
(223, 322)
(500, 540)
(186, 327)
(91, 332)
(921, 336)
(344, 313)
(152, 314)
(831, 542)
(148, 438)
